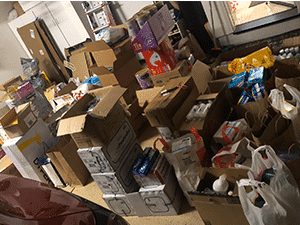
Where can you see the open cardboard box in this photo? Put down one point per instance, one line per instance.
(97, 127)
(17, 122)
(217, 209)
(171, 109)
(219, 111)
(154, 31)
(119, 57)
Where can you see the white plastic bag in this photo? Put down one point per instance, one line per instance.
(237, 155)
(281, 195)
(271, 213)
(289, 109)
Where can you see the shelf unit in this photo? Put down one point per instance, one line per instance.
(99, 15)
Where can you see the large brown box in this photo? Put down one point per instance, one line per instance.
(97, 127)
(216, 209)
(171, 109)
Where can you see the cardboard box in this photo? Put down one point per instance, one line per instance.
(193, 45)
(137, 120)
(100, 125)
(11, 82)
(38, 42)
(145, 96)
(182, 69)
(216, 209)
(160, 59)
(163, 200)
(66, 160)
(59, 102)
(171, 109)
(82, 62)
(119, 57)
(216, 115)
(17, 122)
(121, 181)
(7, 167)
(154, 31)
(25, 151)
(107, 158)
(119, 204)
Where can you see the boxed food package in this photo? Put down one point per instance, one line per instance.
(154, 31)
(105, 118)
(219, 209)
(17, 122)
(26, 151)
(160, 59)
(170, 106)
(68, 164)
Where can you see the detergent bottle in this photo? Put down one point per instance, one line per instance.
(220, 185)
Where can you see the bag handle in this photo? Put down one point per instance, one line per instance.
(292, 145)
(165, 144)
(276, 123)
(225, 136)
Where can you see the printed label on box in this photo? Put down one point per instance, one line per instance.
(30, 119)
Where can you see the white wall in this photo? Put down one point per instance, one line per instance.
(10, 49)
(224, 27)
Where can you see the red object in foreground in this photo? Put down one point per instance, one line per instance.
(24, 201)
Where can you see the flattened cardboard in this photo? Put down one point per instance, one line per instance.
(218, 210)
(40, 46)
(81, 66)
(291, 42)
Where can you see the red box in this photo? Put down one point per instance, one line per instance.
(160, 59)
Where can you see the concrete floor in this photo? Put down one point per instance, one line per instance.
(187, 216)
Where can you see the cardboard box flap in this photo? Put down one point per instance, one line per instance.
(8, 118)
(102, 53)
(23, 107)
(99, 70)
(109, 97)
(79, 107)
(71, 125)
(147, 95)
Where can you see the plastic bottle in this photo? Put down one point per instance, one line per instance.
(192, 112)
(221, 185)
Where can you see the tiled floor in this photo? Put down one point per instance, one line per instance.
(188, 215)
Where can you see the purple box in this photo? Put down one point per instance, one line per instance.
(25, 90)
(154, 31)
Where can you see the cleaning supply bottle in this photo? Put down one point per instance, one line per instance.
(220, 185)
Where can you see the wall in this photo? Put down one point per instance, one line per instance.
(10, 49)
(224, 27)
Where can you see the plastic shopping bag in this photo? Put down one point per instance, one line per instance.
(280, 191)
(237, 155)
(289, 109)
(260, 206)
(185, 154)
